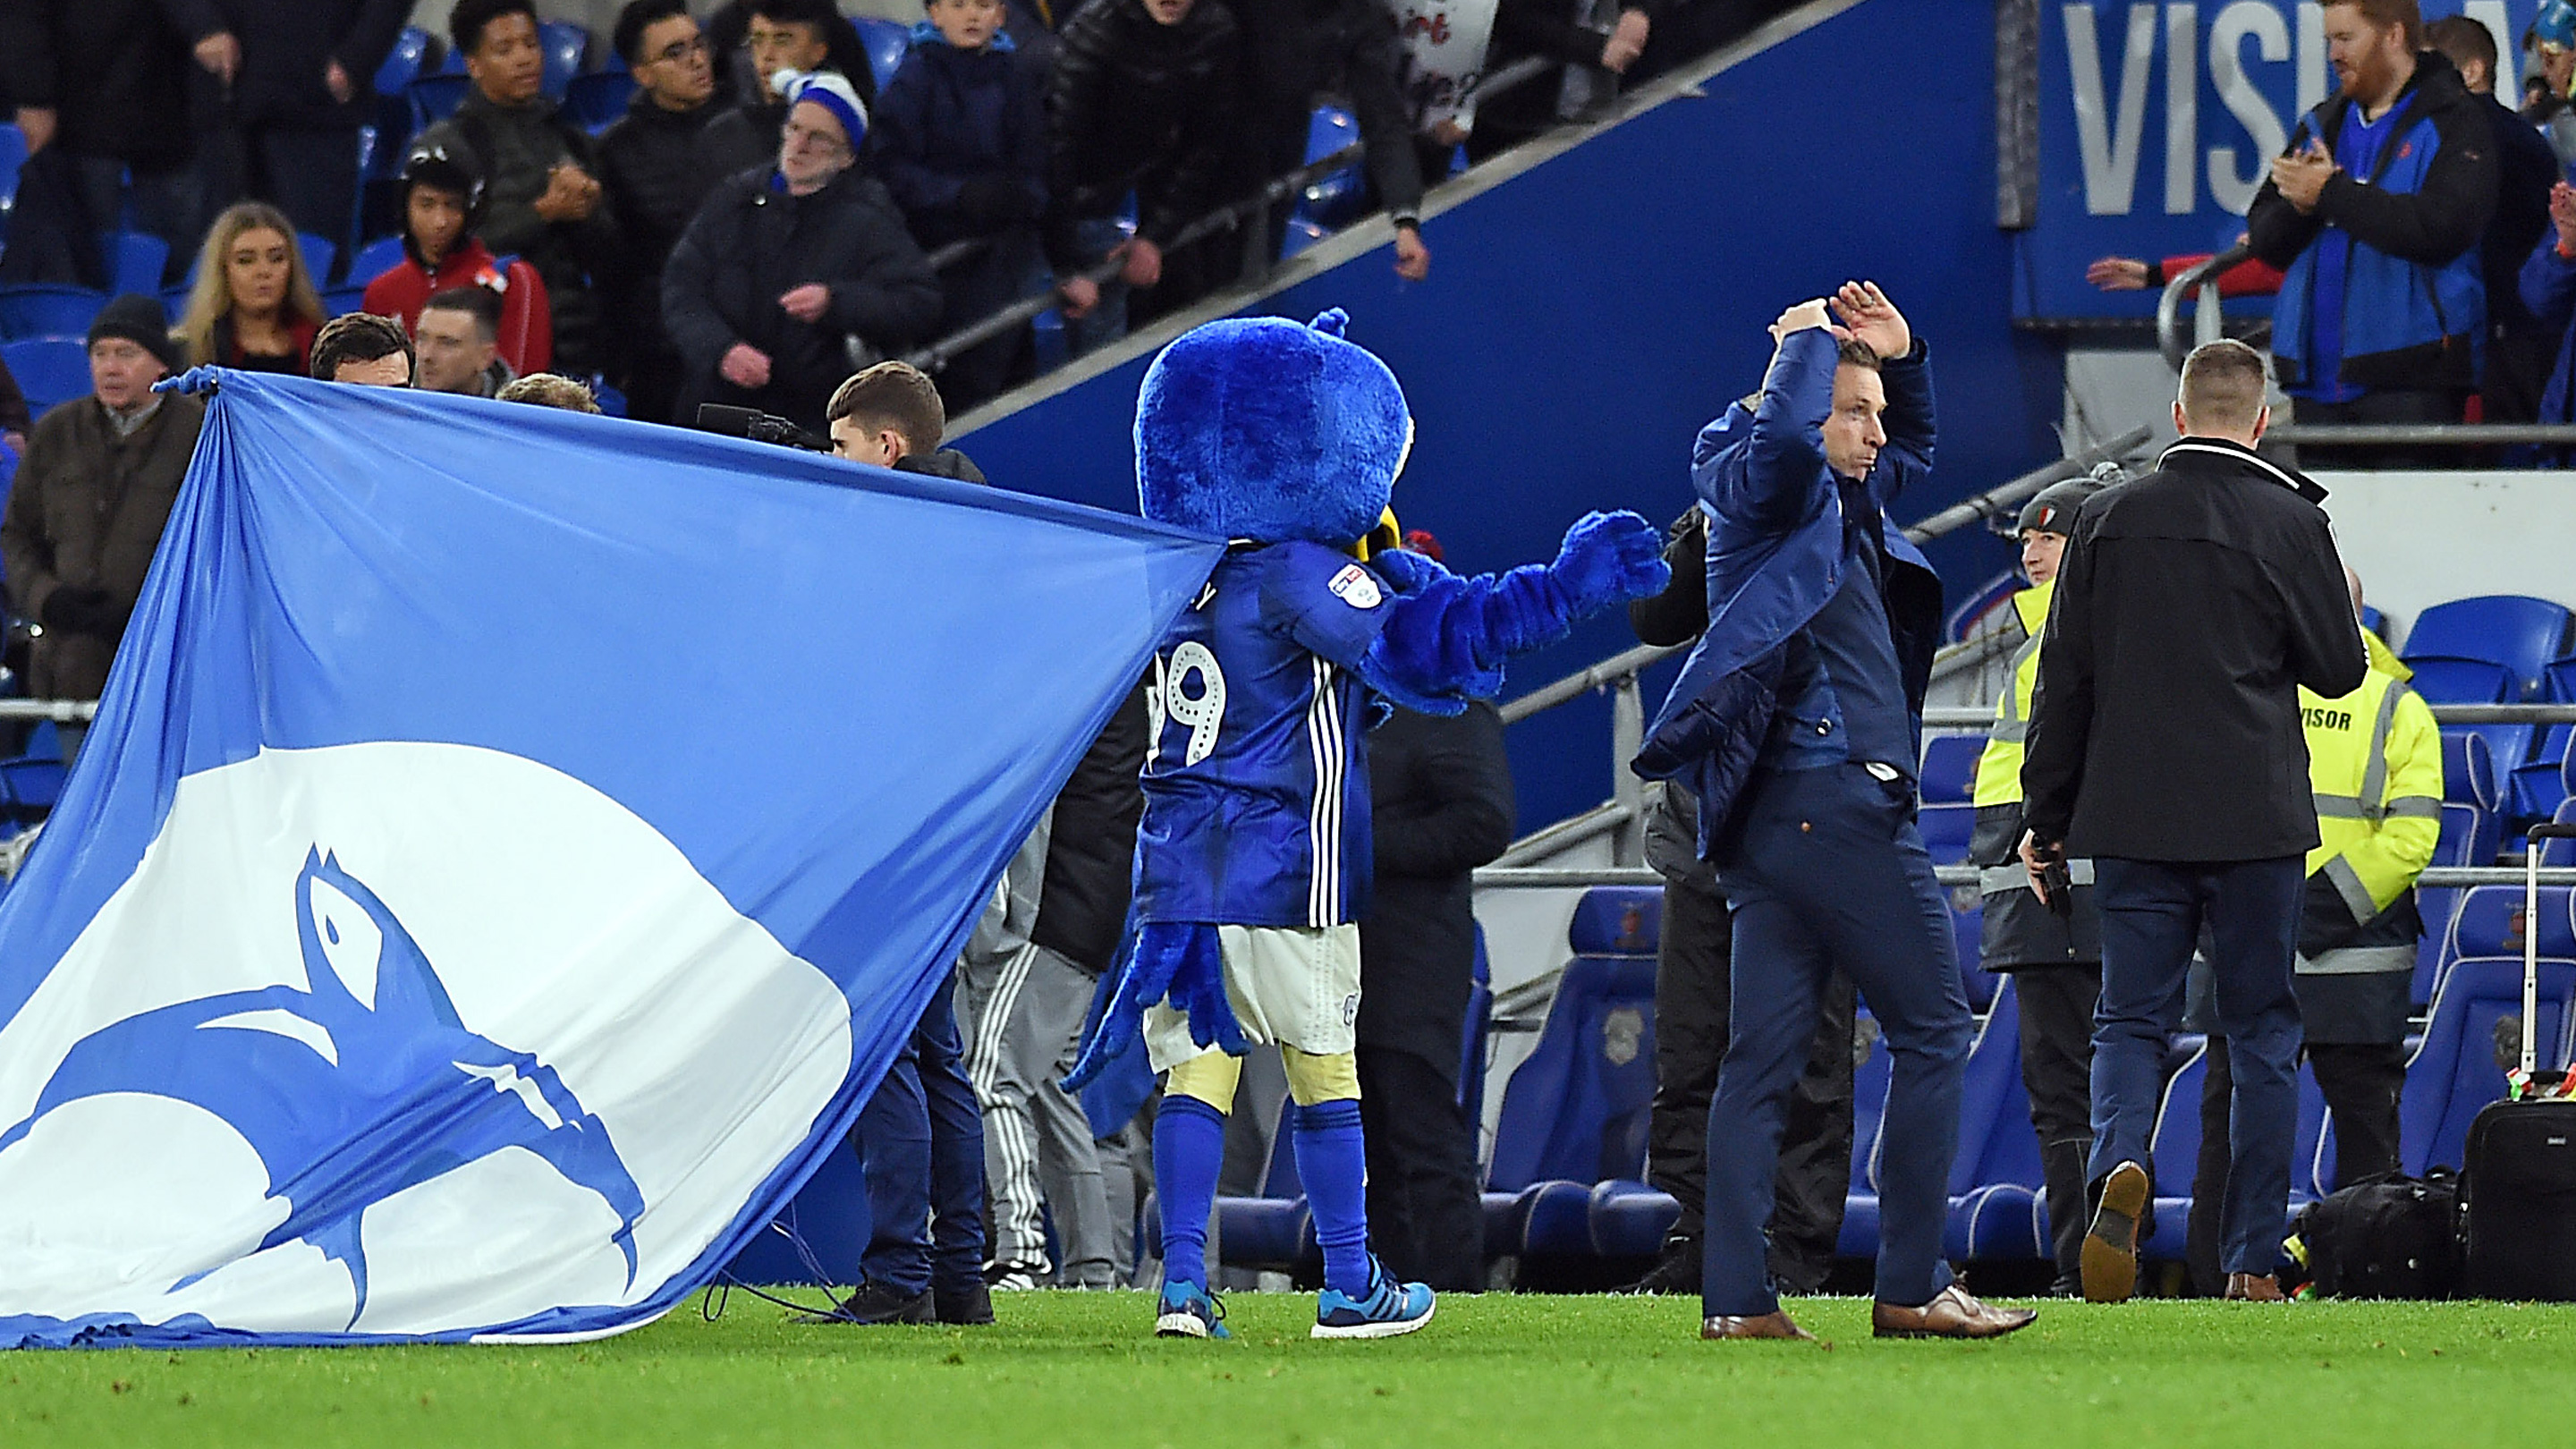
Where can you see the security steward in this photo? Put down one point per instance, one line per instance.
(2055, 960)
(2192, 605)
(1795, 725)
(2375, 764)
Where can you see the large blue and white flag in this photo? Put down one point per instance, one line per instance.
(511, 844)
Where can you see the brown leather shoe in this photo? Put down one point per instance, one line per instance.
(2255, 1288)
(2110, 1257)
(1951, 1314)
(1774, 1324)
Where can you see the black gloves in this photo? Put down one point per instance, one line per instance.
(76, 610)
(993, 199)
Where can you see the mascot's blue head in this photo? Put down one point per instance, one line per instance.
(1258, 428)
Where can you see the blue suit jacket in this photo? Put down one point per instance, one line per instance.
(1775, 555)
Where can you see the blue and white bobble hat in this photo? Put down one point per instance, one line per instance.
(826, 89)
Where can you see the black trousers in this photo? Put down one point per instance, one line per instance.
(1425, 1217)
(1691, 1025)
(2361, 1082)
(2057, 1074)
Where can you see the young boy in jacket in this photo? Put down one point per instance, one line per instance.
(442, 199)
(959, 137)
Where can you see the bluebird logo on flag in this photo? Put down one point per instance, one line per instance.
(373, 1026)
(511, 847)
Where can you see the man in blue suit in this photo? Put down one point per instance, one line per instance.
(1796, 723)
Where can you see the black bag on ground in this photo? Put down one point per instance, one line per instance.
(2519, 1208)
(2388, 1237)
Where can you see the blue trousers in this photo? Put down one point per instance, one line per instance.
(1831, 874)
(922, 1139)
(2152, 916)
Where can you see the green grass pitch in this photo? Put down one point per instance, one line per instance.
(1079, 1369)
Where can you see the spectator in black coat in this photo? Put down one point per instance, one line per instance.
(959, 137)
(1142, 98)
(543, 199)
(1441, 793)
(1300, 49)
(1549, 30)
(299, 80)
(107, 81)
(653, 163)
(753, 42)
(2519, 349)
(781, 266)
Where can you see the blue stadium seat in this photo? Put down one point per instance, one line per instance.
(2521, 633)
(567, 50)
(2456, 1072)
(597, 99)
(2558, 681)
(1995, 1180)
(2461, 832)
(135, 261)
(2375, 621)
(1480, 1028)
(1946, 830)
(2540, 784)
(2449, 679)
(339, 301)
(2176, 1150)
(434, 98)
(49, 370)
(13, 156)
(1859, 1237)
(402, 64)
(2490, 922)
(2468, 769)
(320, 255)
(1336, 198)
(2561, 853)
(1577, 1108)
(376, 258)
(45, 309)
(1949, 772)
(886, 42)
(174, 302)
(1273, 1230)
(33, 783)
(1967, 938)
(1628, 1219)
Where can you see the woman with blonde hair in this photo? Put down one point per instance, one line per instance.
(253, 305)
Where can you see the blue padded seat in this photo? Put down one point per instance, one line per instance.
(1617, 921)
(2439, 905)
(49, 370)
(1577, 1108)
(1949, 773)
(567, 48)
(1556, 1219)
(886, 42)
(50, 309)
(1859, 1238)
(2456, 1071)
(2521, 633)
(1995, 1177)
(1271, 1230)
(2468, 769)
(1628, 1219)
(1946, 830)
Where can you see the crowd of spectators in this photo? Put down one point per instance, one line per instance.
(761, 219)
(2419, 235)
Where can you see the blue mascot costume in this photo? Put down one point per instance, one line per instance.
(1252, 861)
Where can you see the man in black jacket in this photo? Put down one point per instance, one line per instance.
(298, 80)
(1143, 97)
(652, 162)
(107, 81)
(1441, 797)
(2520, 351)
(1300, 49)
(782, 266)
(2165, 744)
(753, 42)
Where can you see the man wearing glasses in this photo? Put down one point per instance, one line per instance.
(654, 165)
(791, 274)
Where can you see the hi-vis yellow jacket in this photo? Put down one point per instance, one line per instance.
(1999, 768)
(2375, 765)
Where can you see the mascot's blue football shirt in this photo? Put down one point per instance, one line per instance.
(1256, 784)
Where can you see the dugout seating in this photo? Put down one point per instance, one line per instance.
(2520, 634)
(2462, 1063)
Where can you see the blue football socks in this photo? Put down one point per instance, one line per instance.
(1333, 1164)
(1189, 1148)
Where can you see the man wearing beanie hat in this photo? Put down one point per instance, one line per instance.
(90, 500)
(790, 274)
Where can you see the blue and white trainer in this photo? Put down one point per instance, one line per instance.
(1190, 1311)
(1389, 1308)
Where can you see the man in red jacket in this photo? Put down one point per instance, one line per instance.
(443, 199)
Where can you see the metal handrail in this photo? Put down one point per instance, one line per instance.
(2422, 435)
(1972, 719)
(61, 711)
(1492, 877)
(2209, 319)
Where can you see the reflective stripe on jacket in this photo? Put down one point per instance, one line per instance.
(1999, 768)
(2375, 764)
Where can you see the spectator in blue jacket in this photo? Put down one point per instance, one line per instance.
(2374, 215)
(2549, 290)
(960, 139)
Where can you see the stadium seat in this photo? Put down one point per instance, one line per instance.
(402, 64)
(2468, 769)
(135, 261)
(320, 255)
(376, 258)
(2558, 681)
(2375, 622)
(435, 97)
(2438, 905)
(2448, 679)
(2540, 783)
(49, 370)
(1272, 1230)
(2456, 1071)
(567, 50)
(33, 784)
(1967, 938)
(1338, 197)
(2490, 922)
(1628, 1219)
(2522, 634)
(1577, 1108)
(1480, 1025)
(886, 42)
(598, 99)
(1949, 774)
(340, 301)
(44, 309)
(1995, 1178)
(13, 156)
(2561, 853)
(174, 302)
(1946, 830)
(1869, 1106)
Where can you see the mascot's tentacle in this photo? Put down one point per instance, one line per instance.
(1175, 960)
(1447, 638)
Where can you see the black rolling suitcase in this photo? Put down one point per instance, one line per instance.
(2518, 1180)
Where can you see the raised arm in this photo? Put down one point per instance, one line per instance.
(1774, 475)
